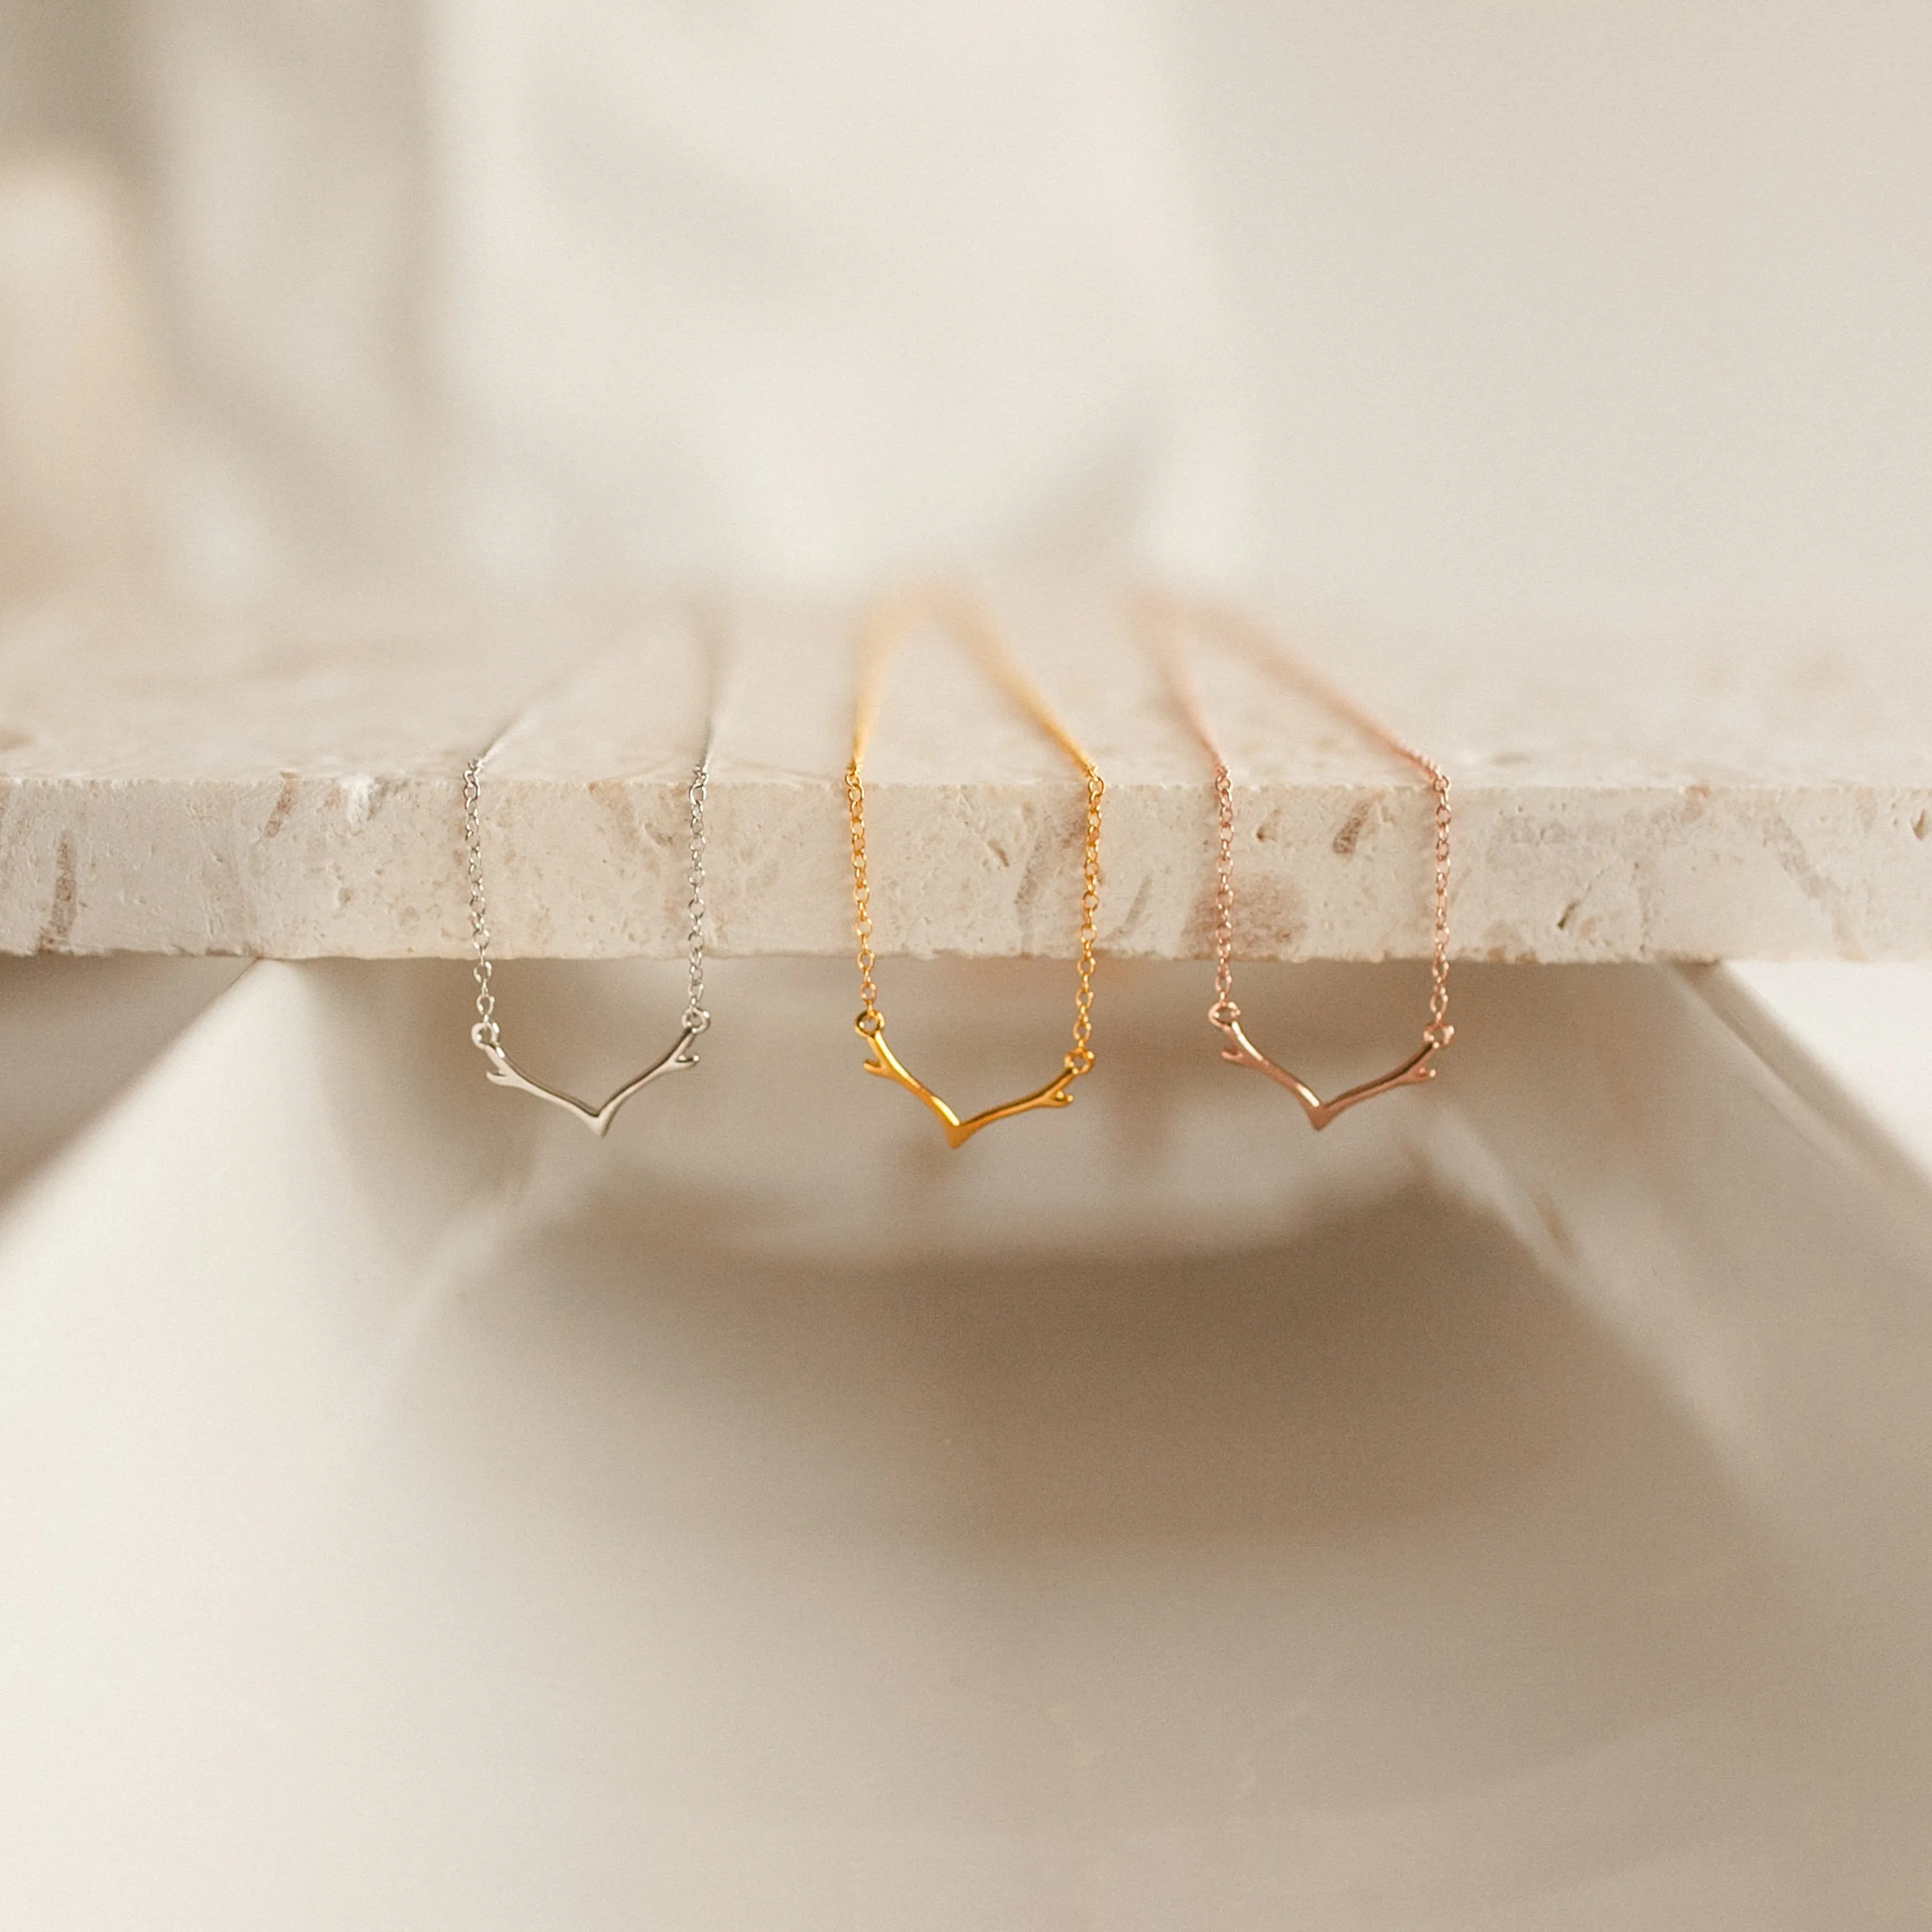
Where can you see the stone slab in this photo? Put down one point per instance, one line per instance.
(285, 782)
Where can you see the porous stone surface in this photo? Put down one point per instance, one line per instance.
(285, 782)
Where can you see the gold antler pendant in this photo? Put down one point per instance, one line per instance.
(887, 630)
(887, 1065)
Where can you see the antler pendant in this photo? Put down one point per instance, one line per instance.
(1244, 1052)
(887, 1066)
(504, 1072)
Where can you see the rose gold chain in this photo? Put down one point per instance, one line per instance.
(1172, 620)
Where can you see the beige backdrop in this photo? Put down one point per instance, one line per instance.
(1576, 318)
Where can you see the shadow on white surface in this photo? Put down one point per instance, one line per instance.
(418, 1518)
(73, 1032)
(1867, 1026)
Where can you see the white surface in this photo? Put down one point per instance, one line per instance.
(284, 781)
(74, 1033)
(422, 1513)
(1869, 1028)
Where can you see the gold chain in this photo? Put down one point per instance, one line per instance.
(1081, 1059)
(862, 900)
(888, 628)
(1238, 634)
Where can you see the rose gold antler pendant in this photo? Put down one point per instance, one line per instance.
(886, 1065)
(1224, 1014)
(1244, 1052)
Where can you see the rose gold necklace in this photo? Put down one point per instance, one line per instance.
(1172, 621)
(889, 627)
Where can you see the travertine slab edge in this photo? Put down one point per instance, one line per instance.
(300, 867)
(284, 782)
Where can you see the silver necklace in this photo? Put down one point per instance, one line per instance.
(487, 1035)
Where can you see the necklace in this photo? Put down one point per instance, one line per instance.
(888, 628)
(1237, 634)
(487, 1034)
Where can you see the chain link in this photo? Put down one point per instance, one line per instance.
(1237, 633)
(1080, 1059)
(695, 1015)
(1438, 1032)
(1224, 1009)
(890, 628)
(869, 1021)
(487, 1032)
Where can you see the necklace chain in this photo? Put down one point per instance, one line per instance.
(889, 628)
(1224, 1007)
(696, 1018)
(1239, 635)
(486, 1028)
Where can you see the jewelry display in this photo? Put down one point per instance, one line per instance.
(1237, 634)
(487, 1034)
(887, 630)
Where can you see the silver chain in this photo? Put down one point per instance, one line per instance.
(695, 1016)
(488, 1033)
(486, 1029)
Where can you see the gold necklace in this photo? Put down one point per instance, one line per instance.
(888, 627)
(1235, 633)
